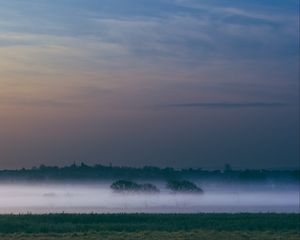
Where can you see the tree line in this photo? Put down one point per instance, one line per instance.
(101, 172)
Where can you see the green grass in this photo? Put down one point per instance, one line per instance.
(150, 226)
(157, 235)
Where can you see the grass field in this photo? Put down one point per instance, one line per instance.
(150, 226)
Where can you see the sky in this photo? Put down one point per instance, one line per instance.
(180, 83)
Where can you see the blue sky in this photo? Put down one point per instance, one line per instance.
(184, 83)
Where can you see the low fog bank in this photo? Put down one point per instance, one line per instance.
(99, 198)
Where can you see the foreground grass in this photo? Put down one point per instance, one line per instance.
(182, 235)
(149, 226)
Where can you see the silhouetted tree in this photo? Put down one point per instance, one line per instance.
(129, 186)
(183, 186)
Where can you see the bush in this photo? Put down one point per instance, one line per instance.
(129, 186)
(148, 187)
(183, 186)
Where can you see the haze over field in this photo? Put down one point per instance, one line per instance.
(99, 198)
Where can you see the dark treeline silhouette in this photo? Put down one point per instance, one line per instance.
(101, 172)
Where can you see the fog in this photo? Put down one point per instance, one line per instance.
(99, 198)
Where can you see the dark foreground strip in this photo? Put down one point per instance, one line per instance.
(132, 223)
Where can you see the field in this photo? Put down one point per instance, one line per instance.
(150, 226)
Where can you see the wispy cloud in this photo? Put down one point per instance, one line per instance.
(225, 105)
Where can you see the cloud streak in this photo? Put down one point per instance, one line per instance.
(225, 105)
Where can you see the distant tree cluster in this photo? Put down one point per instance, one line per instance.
(183, 186)
(176, 186)
(129, 186)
